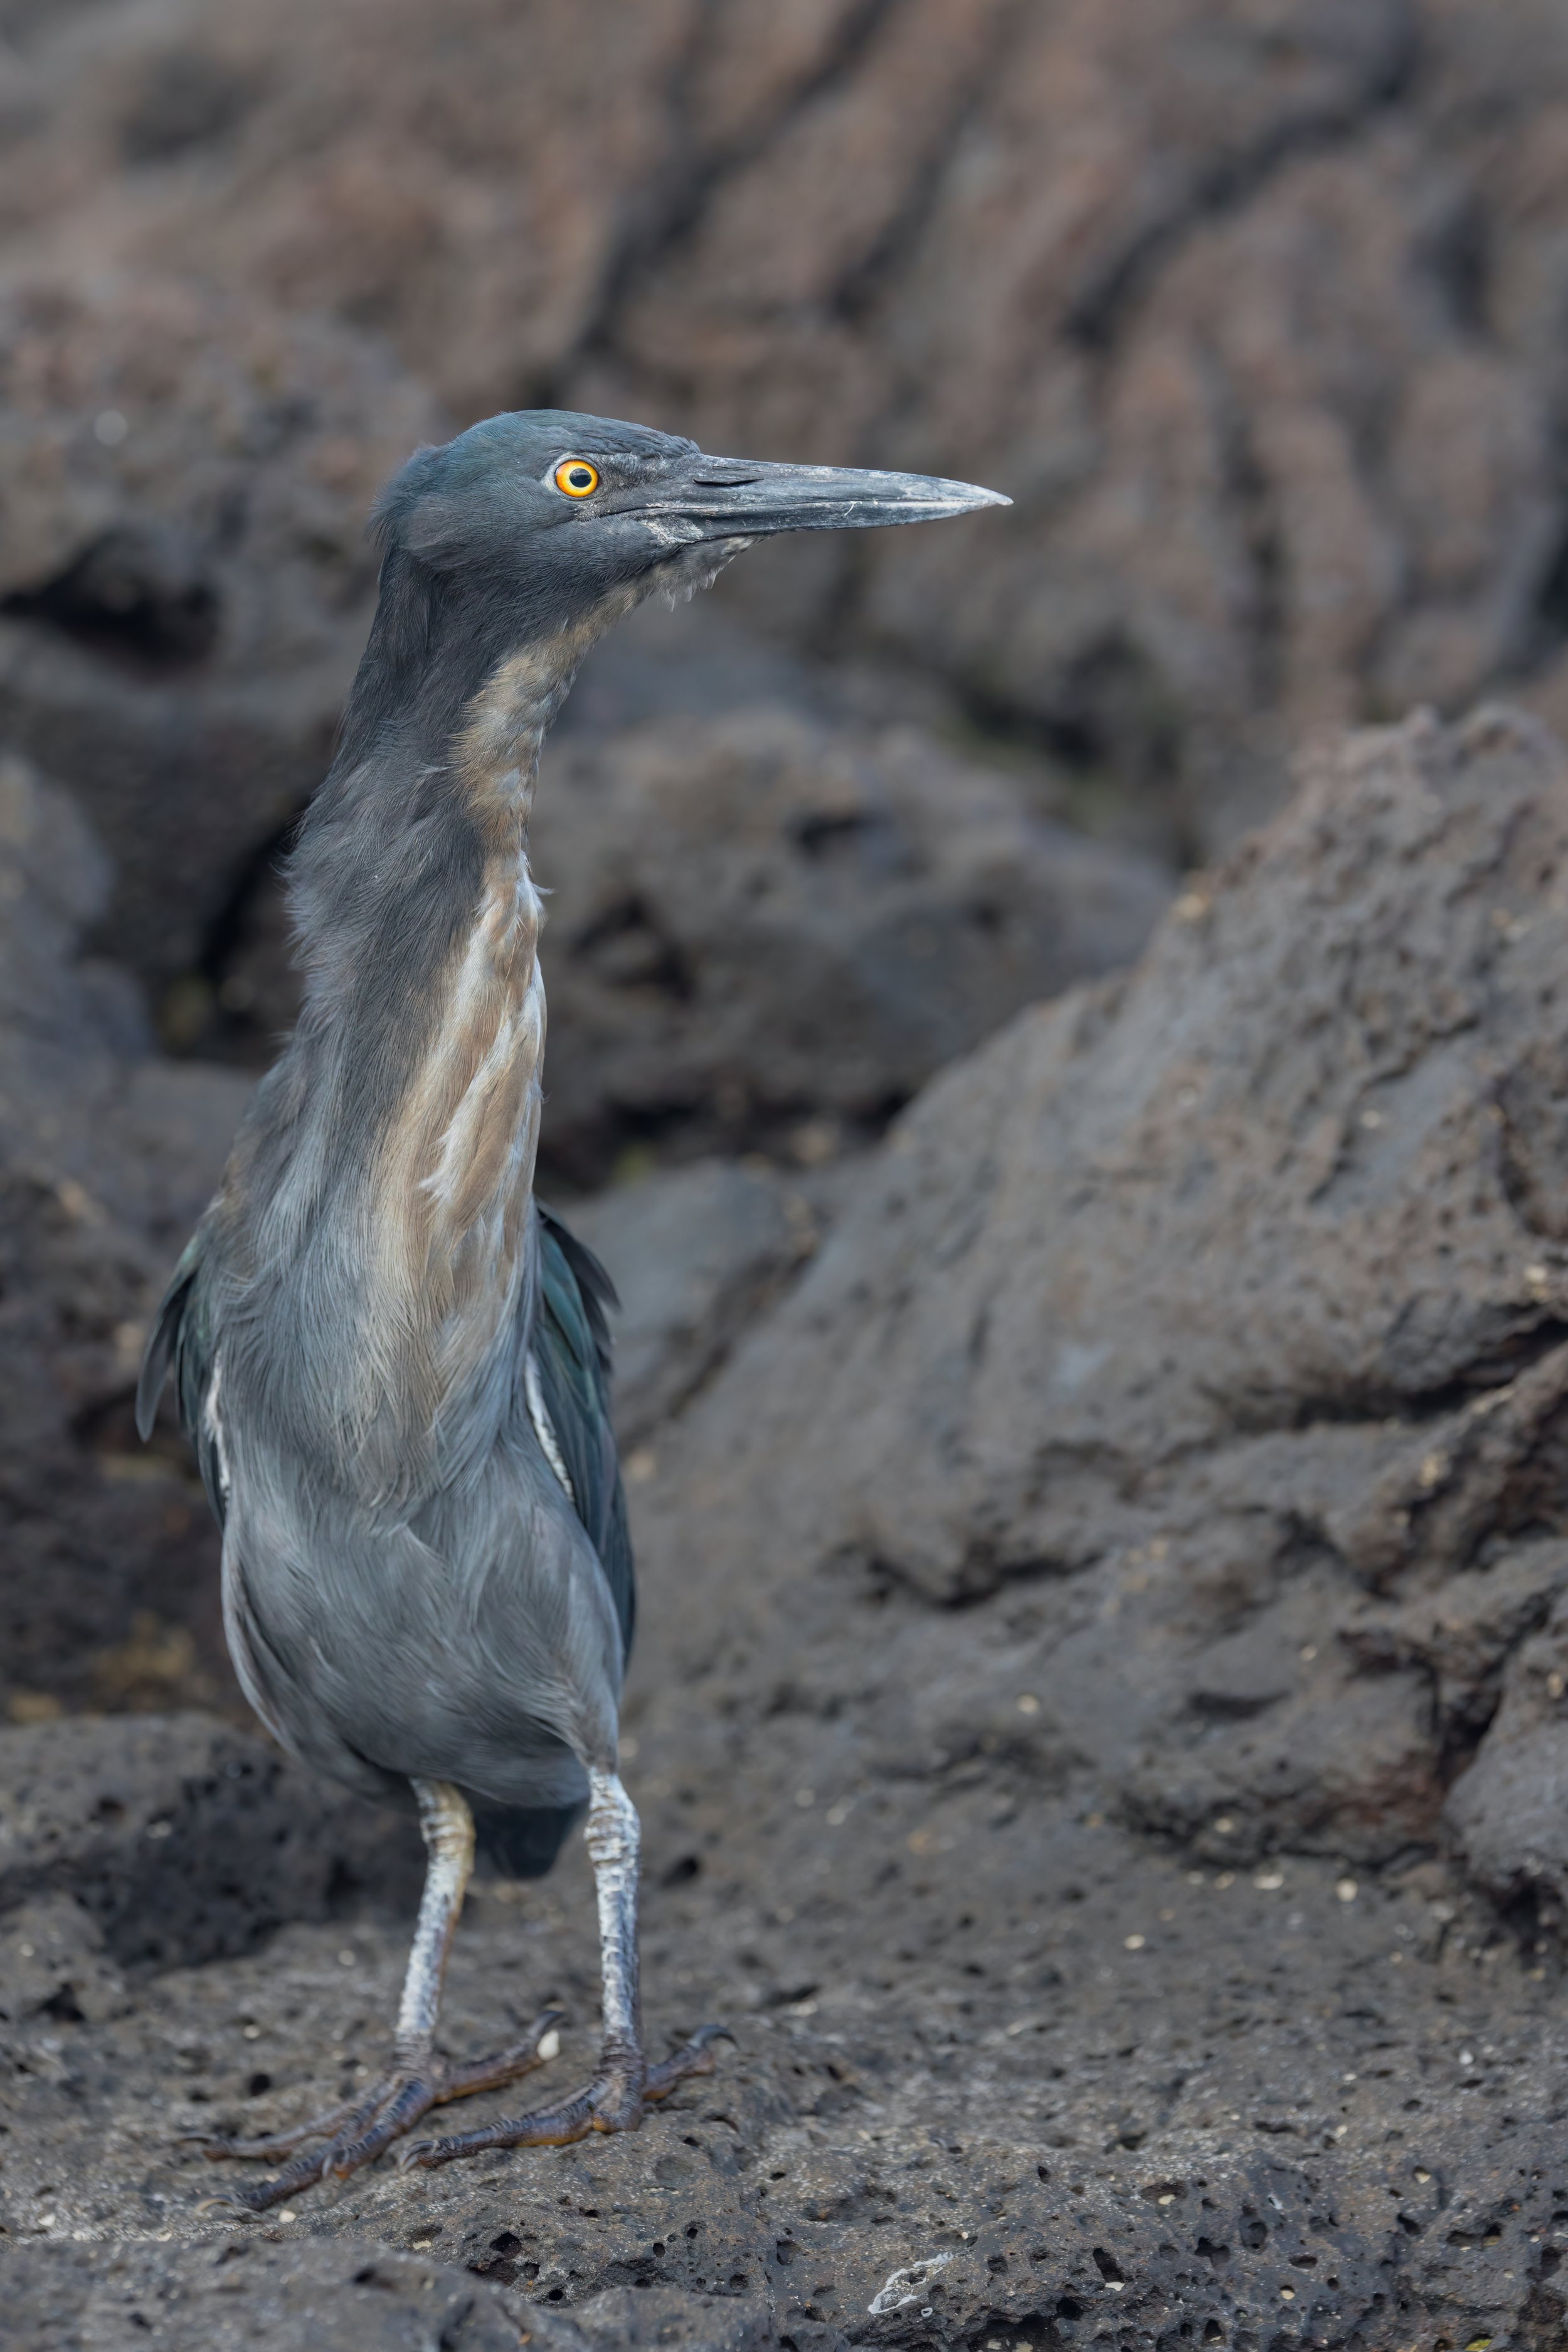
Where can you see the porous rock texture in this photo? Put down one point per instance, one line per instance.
(1252, 308)
(107, 1154)
(1095, 1717)
(1211, 1324)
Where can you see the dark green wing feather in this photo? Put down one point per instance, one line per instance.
(181, 1338)
(571, 1350)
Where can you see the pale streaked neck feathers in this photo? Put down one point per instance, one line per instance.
(430, 980)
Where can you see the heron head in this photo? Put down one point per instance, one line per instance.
(556, 519)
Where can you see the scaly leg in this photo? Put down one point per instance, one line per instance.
(354, 2134)
(625, 2084)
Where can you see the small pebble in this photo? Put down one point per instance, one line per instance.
(1133, 1943)
(1346, 1889)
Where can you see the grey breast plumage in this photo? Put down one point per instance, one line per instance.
(424, 1641)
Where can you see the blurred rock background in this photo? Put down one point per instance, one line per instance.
(1156, 1427)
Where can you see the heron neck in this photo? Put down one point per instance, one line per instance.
(453, 1179)
(394, 1148)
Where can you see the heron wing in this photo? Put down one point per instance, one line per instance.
(182, 1339)
(571, 1350)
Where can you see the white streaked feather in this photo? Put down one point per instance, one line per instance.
(543, 1427)
(214, 1426)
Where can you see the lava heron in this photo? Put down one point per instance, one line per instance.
(392, 1361)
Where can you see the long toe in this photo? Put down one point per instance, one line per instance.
(273, 2145)
(555, 2127)
(696, 2055)
(354, 2135)
(614, 2101)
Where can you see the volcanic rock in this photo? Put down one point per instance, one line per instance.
(1250, 309)
(1207, 1328)
(185, 580)
(761, 920)
(107, 1154)
(1092, 1716)
(695, 1255)
(179, 1838)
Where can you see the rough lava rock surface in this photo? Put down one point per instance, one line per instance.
(1093, 1721)
(1214, 1325)
(1252, 309)
(758, 919)
(107, 1154)
(185, 580)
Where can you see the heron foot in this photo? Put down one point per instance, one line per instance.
(615, 2100)
(356, 2133)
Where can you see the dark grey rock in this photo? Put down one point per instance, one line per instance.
(1509, 1810)
(107, 1154)
(1043, 1753)
(695, 1253)
(1205, 1322)
(184, 583)
(52, 1960)
(237, 2293)
(179, 1839)
(759, 921)
(1252, 312)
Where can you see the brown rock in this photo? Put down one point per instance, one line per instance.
(761, 921)
(1249, 309)
(1202, 1309)
(184, 581)
(107, 1154)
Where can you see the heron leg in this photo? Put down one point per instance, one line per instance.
(354, 2134)
(625, 2086)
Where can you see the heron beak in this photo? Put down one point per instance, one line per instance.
(727, 498)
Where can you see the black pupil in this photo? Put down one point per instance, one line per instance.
(580, 478)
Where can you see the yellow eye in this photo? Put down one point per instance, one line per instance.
(576, 477)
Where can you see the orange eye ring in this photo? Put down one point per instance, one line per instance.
(576, 478)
